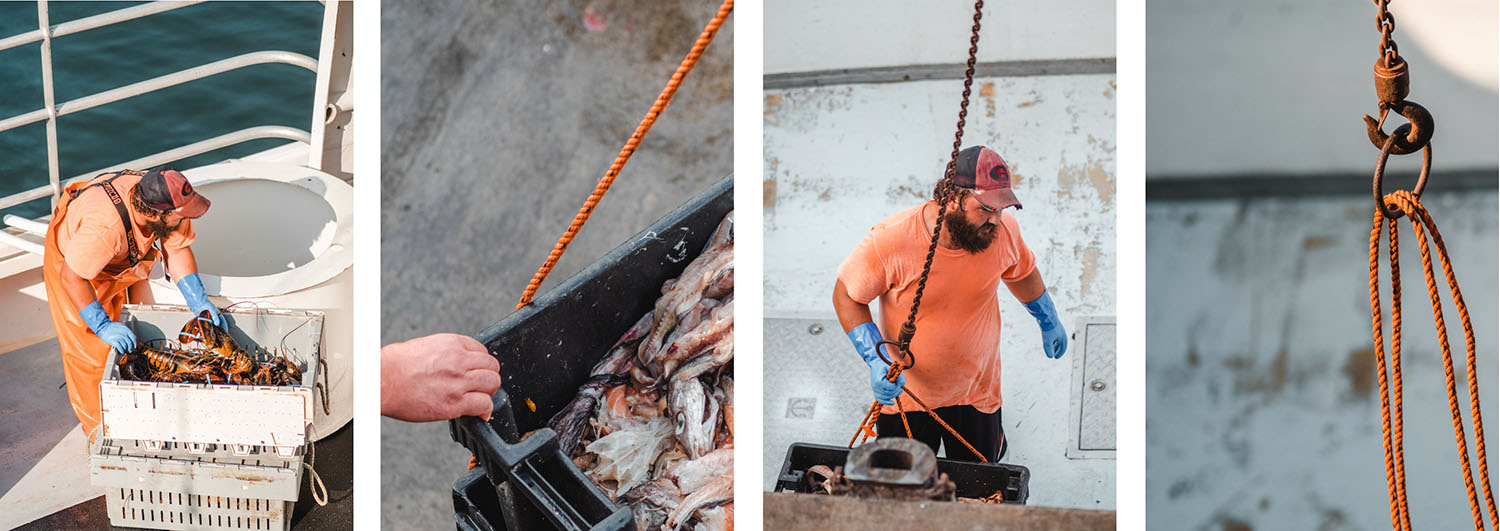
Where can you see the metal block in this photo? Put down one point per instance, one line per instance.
(1092, 405)
(896, 462)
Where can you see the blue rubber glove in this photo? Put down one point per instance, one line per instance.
(866, 337)
(192, 290)
(114, 334)
(1054, 337)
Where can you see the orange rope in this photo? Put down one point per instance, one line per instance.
(1392, 438)
(625, 152)
(866, 425)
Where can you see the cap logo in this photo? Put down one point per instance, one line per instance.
(1000, 174)
(187, 189)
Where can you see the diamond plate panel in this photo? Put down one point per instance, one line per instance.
(815, 388)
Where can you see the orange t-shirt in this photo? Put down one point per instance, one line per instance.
(957, 344)
(92, 237)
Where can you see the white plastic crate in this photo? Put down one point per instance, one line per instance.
(152, 509)
(235, 415)
(192, 469)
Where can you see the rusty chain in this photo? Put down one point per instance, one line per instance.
(1392, 84)
(1386, 23)
(942, 193)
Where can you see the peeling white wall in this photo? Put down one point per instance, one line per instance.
(1278, 86)
(840, 159)
(808, 36)
(1261, 403)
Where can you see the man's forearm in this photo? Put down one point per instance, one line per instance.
(851, 312)
(80, 291)
(1029, 288)
(181, 262)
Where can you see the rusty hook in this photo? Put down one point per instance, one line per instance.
(1391, 211)
(1419, 130)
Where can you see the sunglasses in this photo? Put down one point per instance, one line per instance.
(986, 208)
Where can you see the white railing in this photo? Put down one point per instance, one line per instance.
(50, 110)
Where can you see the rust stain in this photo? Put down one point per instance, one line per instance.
(768, 194)
(1192, 357)
(1317, 242)
(772, 104)
(916, 189)
(1359, 368)
(1333, 519)
(1036, 97)
(987, 91)
(1090, 270)
(1228, 523)
(1250, 380)
(111, 467)
(1070, 177)
(827, 195)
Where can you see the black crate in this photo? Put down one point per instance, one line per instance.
(547, 348)
(974, 480)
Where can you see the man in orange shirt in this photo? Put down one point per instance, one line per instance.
(104, 237)
(957, 345)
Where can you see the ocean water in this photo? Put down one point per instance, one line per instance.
(113, 56)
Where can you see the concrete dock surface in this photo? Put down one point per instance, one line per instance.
(498, 119)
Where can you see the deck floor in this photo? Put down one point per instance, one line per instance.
(44, 474)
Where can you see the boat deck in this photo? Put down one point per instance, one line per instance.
(44, 471)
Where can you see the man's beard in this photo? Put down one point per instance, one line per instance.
(160, 228)
(969, 237)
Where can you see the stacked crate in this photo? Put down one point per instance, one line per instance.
(202, 456)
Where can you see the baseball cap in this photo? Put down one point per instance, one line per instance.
(169, 189)
(987, 177)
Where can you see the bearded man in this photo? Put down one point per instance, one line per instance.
(104, 236)
(958, 347)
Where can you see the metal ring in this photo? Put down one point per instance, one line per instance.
(1392, 211)
(888, 362)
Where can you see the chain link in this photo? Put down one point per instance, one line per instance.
(945, 190)
(1385, 22)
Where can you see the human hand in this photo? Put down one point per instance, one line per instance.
(437, 377)
(116, 335)
(192, 291)
(1055, 341)
(866, 338)
(1054, 336)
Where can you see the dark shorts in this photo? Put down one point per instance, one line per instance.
(982, 430)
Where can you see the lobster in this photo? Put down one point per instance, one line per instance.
(213, 356)
(170, 365)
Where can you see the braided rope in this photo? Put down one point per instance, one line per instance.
(627, 150)
(1422, 224)
(662, 99)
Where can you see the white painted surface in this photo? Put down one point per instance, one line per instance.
(1279, 86)
(1261, 404)
(807, 36)
(280, 236)
(840, 159)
